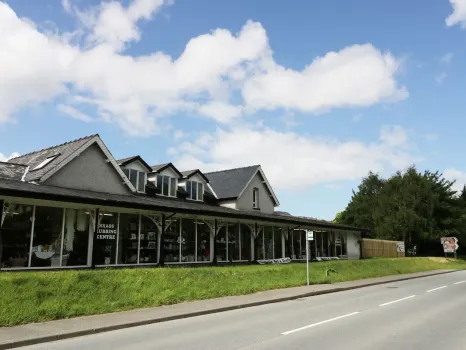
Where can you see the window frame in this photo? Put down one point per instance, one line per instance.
(127, 172)
(255, 198)
(171, 179)
(197, 187)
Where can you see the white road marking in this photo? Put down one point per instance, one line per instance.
(395, 301)
(460, 282)
(431, 290)
(319, 323)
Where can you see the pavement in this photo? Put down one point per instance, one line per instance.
(342, 315)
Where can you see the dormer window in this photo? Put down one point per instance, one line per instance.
(167, 185)
(195, 190)
(137, 178)
(255, 198)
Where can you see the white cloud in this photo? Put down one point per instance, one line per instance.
(440, 78)
(179, 134)
(447, 58)
(455, 175)
(4, 158)
(459, 13)
(74, 113)
(294, 161)
(92, 66)
(358, 75)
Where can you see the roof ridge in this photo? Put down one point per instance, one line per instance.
(56, 146)
(242, 167)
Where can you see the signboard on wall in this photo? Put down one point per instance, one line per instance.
(106, 231)
(450, 244)
(274, 261)
(400, 247)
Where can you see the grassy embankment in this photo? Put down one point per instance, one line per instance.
(39, 296)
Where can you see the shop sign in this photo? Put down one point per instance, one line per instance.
(106, 231)
(310, 235)
(450, 244)
(274, 261)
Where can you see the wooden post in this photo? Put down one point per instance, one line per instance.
(162, 242)
(94, 237)
(214, 258)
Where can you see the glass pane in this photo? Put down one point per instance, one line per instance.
(188, 189)
(128, 239)
(277, 242)
(259, 246)
(245, 242)
(142, 182)
(233, 242)
(221, 246)
(105, 244)
(149, 236)
(171, 242)
(172, 187)
(133, 177)
(203, 241)
(194, 189)
(16, 235)
(166, 185)
(268, 242)
(76, 243)
(188, 240)
(126, 171)
(46, 244)
(343, 245)
(325, 251)
(159, 182)
(200, 191)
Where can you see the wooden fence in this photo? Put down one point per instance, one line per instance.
(380, 248)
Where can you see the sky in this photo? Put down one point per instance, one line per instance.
(317, 92)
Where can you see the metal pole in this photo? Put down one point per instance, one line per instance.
(307, 259)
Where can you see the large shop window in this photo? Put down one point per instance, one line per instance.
(188, 239)
(137, 178)
(106, 239)
(203, 241)
(15, 235)
(76, 237)
(128, 239)
(148, 243)
(172, 240)
(167, 185)
(221, 247)
(195, 190)
(47, 238)
(268, 242)
(245, 245)
(233, 242)
(298, 244)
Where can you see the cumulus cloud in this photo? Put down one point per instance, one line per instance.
(458, 16)
(74, 113)
(4, 158)
(456, 175)
(294, 161)
(93, 68)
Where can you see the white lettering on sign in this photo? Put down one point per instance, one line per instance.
(106, 231)
(274, 261)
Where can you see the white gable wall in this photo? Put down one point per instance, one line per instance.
(266, 202)
(136, 165)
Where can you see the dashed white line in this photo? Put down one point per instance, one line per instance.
(460, 282)
(432, 290)
(395, 301)
(319, 323)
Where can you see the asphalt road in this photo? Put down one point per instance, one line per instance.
(427, 313)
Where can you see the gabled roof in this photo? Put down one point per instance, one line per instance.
(128, 160)
(12, 171)
(188, 173)
(160, 167)
(231, 183)
(60, 156)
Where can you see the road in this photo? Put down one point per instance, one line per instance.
(427, 313)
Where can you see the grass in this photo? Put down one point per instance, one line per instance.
(27, 297)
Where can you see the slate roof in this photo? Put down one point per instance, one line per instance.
(39, 191)
(62, 152)
(159, 167)
(188, 173)
(12, 171)
(229, 183)
(128, 160)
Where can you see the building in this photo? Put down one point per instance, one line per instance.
(75, 205)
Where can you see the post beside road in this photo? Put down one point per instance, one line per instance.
(310, 237)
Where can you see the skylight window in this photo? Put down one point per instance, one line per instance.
(45, 162)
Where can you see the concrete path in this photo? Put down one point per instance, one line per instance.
(236, 328)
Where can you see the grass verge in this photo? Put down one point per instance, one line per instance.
(27, 297)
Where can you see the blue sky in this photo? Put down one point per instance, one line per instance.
(318, 92)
